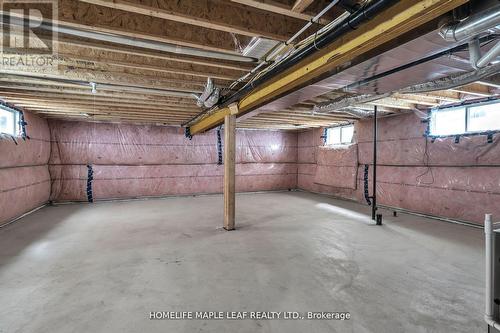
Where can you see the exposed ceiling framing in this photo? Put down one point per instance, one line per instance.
(279, 8)
(225, 26)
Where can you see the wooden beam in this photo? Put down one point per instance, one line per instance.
(474, 89)
(275, 127)
(489, 84)
(391, 102)
(403, 16)
(428, 97)
(300, 5)
(218, 16)
(230, 168)
(278, 8)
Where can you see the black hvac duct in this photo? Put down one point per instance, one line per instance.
(352, 23)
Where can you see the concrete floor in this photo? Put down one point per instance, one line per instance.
(104, 267)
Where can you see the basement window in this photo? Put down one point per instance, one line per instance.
(469, 119)
(9, 121)
(340, 135)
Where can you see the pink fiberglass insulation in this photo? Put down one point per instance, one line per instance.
(341, 162)
(131, 161)
(29, 152)
(441, 178)
(24, 175)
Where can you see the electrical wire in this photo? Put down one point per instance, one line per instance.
(426, 159)
(297, 47)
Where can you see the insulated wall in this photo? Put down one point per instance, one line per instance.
(130, 161)
(24, 175)
(442, 178)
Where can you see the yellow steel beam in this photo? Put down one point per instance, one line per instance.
(390, 24)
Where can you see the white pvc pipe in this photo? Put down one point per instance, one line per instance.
(490, 258)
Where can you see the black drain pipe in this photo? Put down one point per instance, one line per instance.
(375, 217)
(361, 16)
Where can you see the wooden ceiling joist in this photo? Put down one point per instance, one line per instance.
(474, 89)
(126, 74)
(87, 113)
(13, 98)
(121, 110)
(95, 99)
(117, 105)
(213, 25)
(89, 17)
(292, 122)
(112, 78)
(300, 5)
(149, 120)
(277, 8)
(84, 91)
(412, 100)
(217, 15)
(434, 97)
(79, 61)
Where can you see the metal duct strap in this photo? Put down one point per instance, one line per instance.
(367, 193)
(219, 145)
(90, 178)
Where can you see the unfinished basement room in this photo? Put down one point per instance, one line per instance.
(250, 166)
